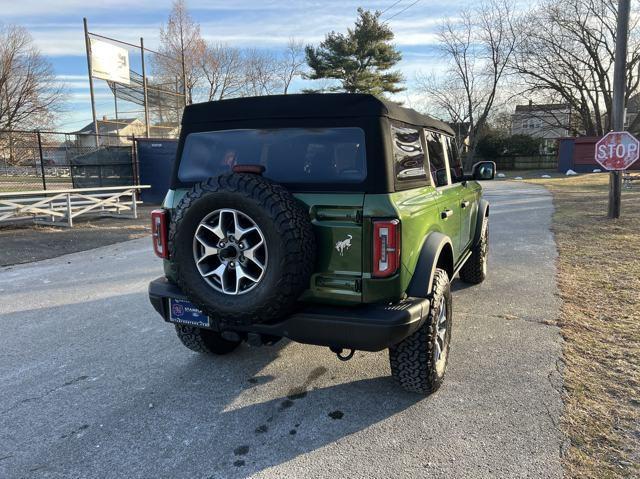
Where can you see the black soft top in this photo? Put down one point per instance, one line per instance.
(312, 105)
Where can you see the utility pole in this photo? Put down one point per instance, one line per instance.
(87, 42)
(619, 84)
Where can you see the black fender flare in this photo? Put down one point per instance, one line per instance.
(434, 245)
(483, 214)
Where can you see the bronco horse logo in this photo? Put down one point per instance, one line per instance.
(343, 245)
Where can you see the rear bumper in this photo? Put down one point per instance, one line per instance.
(372, 327)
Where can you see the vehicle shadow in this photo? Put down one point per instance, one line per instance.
(459, 285)
(128, 400)
(243, 430)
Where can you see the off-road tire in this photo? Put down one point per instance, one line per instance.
(474, 271)
(204, 341)
(288, 235)
(413, 362)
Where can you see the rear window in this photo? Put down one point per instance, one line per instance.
(289, 155)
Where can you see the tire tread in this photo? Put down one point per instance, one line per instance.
(412, 362)
(472, 271)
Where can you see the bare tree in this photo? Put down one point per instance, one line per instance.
(292, 63)
(478, 46)
(223, 70)
(567, 49)
(182, 48)
(260, 73)
(29, 94)
(500, 121)
(230, 72)
(448, 99)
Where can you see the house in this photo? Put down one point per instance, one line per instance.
(120, 132)
(164, 130)
(111, 132)
(545, 121)
(631, 118)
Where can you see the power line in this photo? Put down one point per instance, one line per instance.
(401, 11)
(390, 7)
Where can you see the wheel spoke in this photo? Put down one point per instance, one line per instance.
(441, 330)
(219, 273)
(438, 351)
(216, 230)
(208, 249)
(241, 273)
(250, 254)
(239, 231)
(442, 314)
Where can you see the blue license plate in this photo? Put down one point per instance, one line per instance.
(183, 312)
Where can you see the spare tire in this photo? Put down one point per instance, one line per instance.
(242, 248)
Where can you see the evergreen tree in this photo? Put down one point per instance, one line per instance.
(361, 60)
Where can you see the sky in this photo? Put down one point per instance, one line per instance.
(56, 27)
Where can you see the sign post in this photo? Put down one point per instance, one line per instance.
(617, 110)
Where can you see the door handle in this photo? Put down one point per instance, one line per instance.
(446, 214)
(464, 204)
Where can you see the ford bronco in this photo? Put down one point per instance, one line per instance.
(330, 219)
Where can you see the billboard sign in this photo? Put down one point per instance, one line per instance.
(109, 62)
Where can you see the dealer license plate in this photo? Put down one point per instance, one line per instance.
(183, 312)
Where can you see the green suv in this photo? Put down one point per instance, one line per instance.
(330, 219)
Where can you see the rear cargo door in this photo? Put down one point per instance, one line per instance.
(337, 223)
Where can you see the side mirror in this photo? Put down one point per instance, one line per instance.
(484, 170)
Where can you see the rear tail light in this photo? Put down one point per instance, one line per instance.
(159, 233)
(386, 247)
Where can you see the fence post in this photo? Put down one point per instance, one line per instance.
(44, 181)
(69, 212)
(134, 204)
(134, 160)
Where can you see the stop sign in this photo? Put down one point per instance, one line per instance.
(617, 150)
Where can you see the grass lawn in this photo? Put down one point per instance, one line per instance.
(599, 280)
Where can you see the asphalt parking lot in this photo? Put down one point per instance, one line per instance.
(94, 384)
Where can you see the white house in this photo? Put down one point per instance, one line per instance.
(546, 121)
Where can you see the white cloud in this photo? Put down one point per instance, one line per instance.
(57, 30)
(263, 24)
(28, 8)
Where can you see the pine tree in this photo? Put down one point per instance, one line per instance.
(361, 60)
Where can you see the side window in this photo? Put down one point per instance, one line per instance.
(455, 161)
(438, 164)
(408, 154)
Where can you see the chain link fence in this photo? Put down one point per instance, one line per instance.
(45, 160)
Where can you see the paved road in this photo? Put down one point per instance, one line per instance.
(94, 384)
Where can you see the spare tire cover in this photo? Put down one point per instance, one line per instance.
(242, 248)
